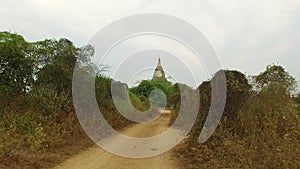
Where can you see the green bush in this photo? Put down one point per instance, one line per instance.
(147, 86)
(140, 103)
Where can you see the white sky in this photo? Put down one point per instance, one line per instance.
(248, 35)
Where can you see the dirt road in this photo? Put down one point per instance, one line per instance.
(97, 158)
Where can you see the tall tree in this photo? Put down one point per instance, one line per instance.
(275, 75)
(58, 59)
(16, 63)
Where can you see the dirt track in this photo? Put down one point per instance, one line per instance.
(97, 158)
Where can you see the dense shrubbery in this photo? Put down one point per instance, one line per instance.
(106, 104)
(260, 127)
(174, 100)
(38, 126)
(146, 86)
(237, 92)
(144, 89)
(35, 128)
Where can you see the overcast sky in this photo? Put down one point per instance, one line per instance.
(248, 35)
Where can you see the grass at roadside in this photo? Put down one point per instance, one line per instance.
(41, 130)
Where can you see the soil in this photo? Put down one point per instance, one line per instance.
(97, 158)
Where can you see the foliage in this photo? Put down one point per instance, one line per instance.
(143, 89)
(174, 100)
(37, 118)
(147, 86)
(269, 123)
(57, 60)
(275, 75)
(161, 91)
(140, 103)
(238, 90)
(16, 64)
(266, 126)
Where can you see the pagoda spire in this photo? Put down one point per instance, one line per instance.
(159, 63)
(159, 73)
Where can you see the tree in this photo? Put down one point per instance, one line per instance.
(16, 63)
(147, 86)
(143, 89)
(58, 59)
(275, 75)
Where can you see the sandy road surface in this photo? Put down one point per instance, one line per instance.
(97, 158)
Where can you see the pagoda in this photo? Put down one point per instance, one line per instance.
(159, 73)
